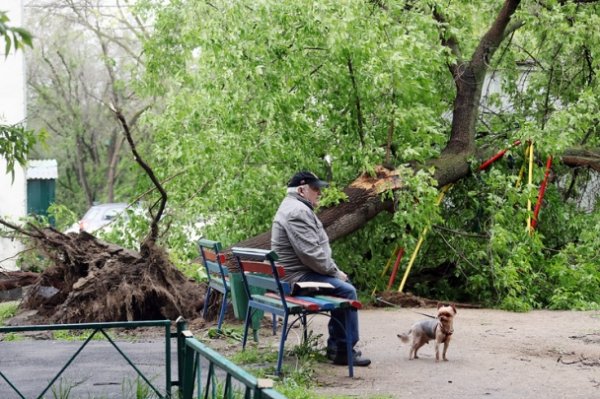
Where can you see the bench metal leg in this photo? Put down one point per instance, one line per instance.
(349, 345)
(282, 344)
(222, 311)
(304, 328)
(247, 326)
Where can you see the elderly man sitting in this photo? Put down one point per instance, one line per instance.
(300, 241)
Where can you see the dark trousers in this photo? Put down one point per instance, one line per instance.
(343, 289)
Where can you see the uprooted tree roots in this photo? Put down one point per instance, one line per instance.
(92, 281)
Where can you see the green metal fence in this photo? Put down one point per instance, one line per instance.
(222, 379)
(95, 328)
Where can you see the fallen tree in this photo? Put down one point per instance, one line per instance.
(101, 282)
(92, 281)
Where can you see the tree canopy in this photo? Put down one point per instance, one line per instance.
(252, 91)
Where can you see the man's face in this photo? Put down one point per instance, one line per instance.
(311, 194)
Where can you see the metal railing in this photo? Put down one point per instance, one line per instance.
(224, 379)
(236, 382)
(101, 327)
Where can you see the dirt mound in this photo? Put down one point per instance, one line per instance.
(92, 281)
(408, 300)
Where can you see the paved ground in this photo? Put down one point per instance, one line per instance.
(97, 372)
(493, 354)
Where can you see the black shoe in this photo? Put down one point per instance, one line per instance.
(357, 360)
(332, 353)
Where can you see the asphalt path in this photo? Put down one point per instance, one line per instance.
(99, 371)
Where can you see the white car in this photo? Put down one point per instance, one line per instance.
(97, 217)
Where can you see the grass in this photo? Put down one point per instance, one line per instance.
(8, 310)
(77, 335)
(233, 333)
(129, 390)
(299, 378)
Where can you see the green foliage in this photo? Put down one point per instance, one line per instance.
(63, 390)
(63, 216)
(254, 355)
(234, 333)
(332, 196)
(494, 259)
(76, 335)
(127, 230)
(16, 142)
(256, 91)
(264, 113)
(14, 37)
(137, 389)
(12, 337)
(8, 310)
(32, 261)
(309, 349)
(251, 92)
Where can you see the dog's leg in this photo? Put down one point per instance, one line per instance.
(413, 351)
(416, 346)
(437, 350)
(446, 343)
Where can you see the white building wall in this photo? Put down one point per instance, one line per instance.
(13, 193)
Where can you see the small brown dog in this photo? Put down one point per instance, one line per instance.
(440, 329)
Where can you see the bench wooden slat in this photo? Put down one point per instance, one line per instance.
(267, 282)
(324, 304)
(214, 268)
(211, 256)
(261, 267)
(308, 305)
(218, 285)
(275, 302)
(351, 302)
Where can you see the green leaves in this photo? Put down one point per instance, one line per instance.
(15, 144)
(254, 91)
(14, 37)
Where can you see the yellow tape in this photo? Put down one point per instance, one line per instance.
(443, 192)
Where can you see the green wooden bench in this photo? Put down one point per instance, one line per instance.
(261, 272)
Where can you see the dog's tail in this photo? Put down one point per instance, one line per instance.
(404, 337)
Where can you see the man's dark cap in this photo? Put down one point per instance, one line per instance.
(309, 178)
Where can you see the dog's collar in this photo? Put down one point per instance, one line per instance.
(446, 333)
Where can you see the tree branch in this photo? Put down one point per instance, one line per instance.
(491, 40)
(447, 39)
(18, 229)
(163, 194)
(359, 117)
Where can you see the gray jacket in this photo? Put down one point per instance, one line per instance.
(300, 241)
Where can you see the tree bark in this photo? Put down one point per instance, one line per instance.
(581, 157)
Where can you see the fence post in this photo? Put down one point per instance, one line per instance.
(181, 324)
(188, 369)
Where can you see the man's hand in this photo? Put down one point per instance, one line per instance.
(341, 275)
